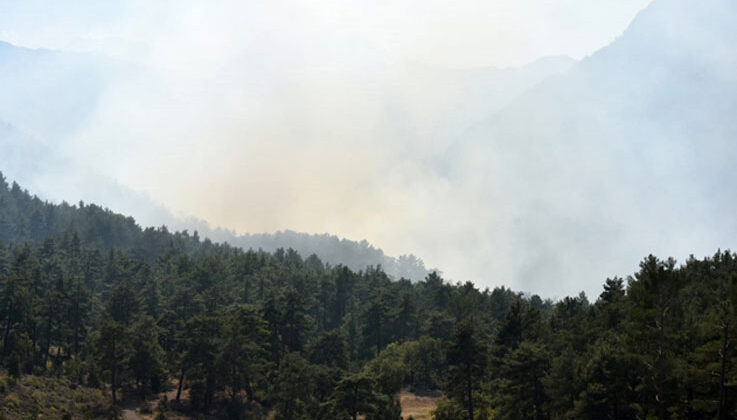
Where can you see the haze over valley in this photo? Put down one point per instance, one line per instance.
(546, 177)
(340, 210)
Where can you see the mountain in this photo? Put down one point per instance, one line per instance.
(426, 104)
(335, 250)
(628, 152)
(423, 104)
(48, 98)
(101, 317)
(433, 104)
(49, 95)
(52, 96)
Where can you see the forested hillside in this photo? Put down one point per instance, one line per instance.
(89, 298)
(49, 95)
(334, 250)
(53, 99)
(625, 128)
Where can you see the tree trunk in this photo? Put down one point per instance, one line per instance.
(57, 358)
(722, 413)
(77, 318)
(249, 388)
(76, 339)
(246, 286)
(112, 386)
(48, 341)
(209, 391)
(179, 385)
(469, 390)
(6, 333)
(354, 410)
(539, 415)
(378, 338)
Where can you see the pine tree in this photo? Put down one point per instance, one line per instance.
(243, 356)
(295, 389)
(466, 358)
(112, 350)
(146, 361)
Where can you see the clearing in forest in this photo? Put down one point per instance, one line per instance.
(418, 406)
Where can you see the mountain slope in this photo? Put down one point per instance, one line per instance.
(627, 152)
(430, 104)
(50, 94)
(50, 97)
(335, 250)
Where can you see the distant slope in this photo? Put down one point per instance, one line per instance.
(35, 166)
(433, 103)
(49, 96)
(628, 151)
(334, 250)
(125, 230)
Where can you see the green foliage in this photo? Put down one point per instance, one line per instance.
(112, 349)
(449, 409)
(415, 364)
(295, 389)
(49, 397)
(242, 359)
(89, 299)
(360, 394)
(467, 363)
(146, 361)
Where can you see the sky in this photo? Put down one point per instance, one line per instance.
(315, 116)
(460, 34)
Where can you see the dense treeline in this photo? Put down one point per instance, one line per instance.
(331, 249)
(87, 295)
(659, 345)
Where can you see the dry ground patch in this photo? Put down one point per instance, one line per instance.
(417, 406)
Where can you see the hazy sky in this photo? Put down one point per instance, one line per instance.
(260, 116)
(445, 33)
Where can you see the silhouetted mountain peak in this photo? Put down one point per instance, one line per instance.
(678, 33)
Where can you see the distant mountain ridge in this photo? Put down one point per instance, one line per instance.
(124, 230)
(49, 94)
(620, 152)
(335, 250)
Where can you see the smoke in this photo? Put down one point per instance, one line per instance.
(389, 122)
(623, 156)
